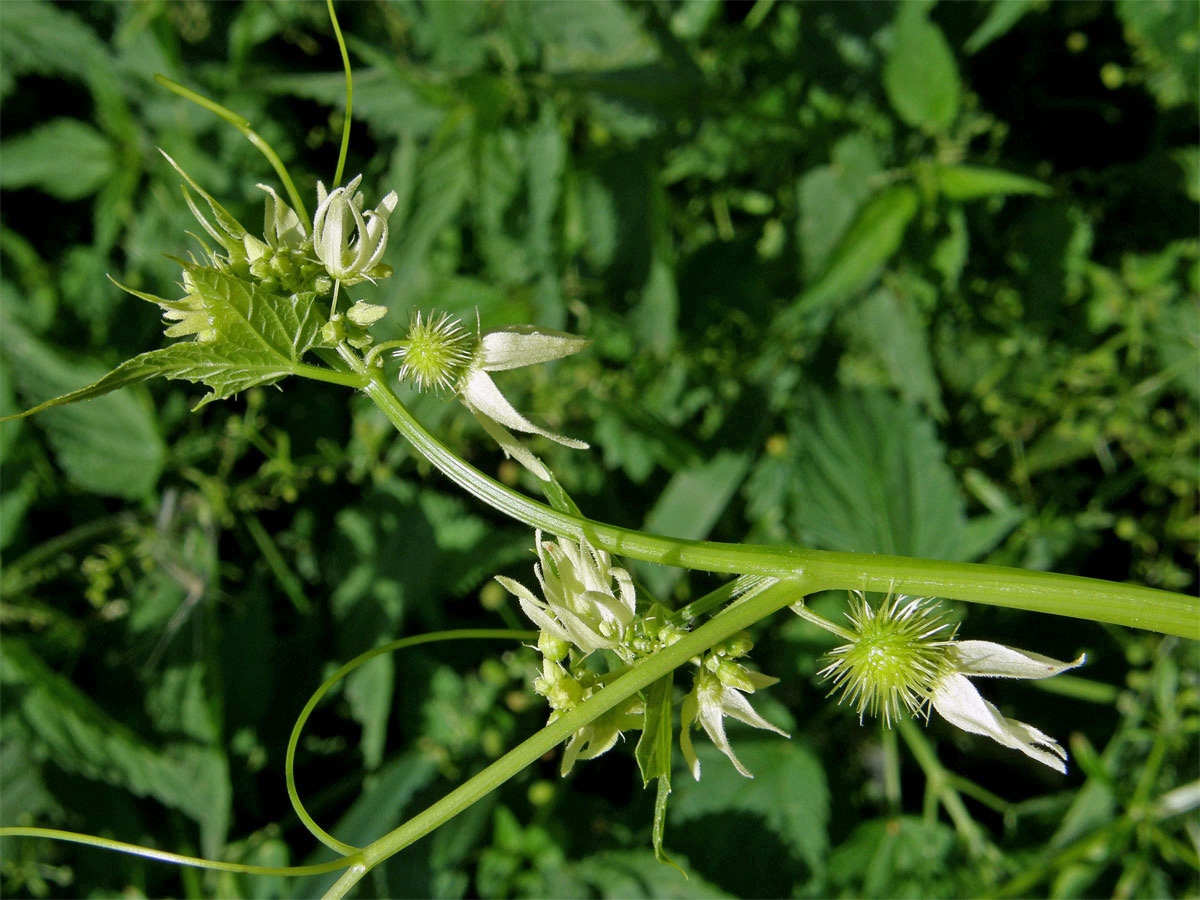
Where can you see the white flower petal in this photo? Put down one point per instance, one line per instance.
(281, 225)
(387, 205)
(533, 608)
(687, 715)
(736, 706)
(713, 721)
(984, 658)
(625, 586)
(513, 348)
(959, 703)
(481, 393)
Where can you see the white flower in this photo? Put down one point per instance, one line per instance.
(709, 702)
(512, 348)
(904, 655)
(349, 244)
(581, 606)
(959, 703)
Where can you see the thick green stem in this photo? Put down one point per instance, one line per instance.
(730, 621)
(1045, 592)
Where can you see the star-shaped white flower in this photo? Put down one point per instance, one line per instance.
(957, 701)
(581, 606)
(710, 701)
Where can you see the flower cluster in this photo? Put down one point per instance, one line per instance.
(589, 605)
(904, 656)
(344, 245)
(581, 606)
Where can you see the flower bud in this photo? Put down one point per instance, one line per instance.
(349, 244)
(552, 648)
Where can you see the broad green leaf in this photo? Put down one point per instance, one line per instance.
(546, 151)
(1165, 37)
(66, 158)
(45, 39)
(654, 319)
(920, 75)
(384, 95)
(369, 691)
(601, 35)
(83, 738)
(869, 242)
(193, 361)
(789, 791)
(443, 184)
(830, 195)
(9, 409)
(255, 325)
(653, 751)
(1188, 160)
(972, 182)
(872, 477)
(112, 447)
(259, 338)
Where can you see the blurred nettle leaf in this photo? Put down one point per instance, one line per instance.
(973, 182)
(190, 776)
(112, 446)
(35, 159)
(1166, 41)
(920, 75)
(790, 796)
(901, 856)
(871, 239)
(871, 474)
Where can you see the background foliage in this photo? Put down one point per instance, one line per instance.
(908, 278)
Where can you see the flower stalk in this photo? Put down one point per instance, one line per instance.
(1045, 592)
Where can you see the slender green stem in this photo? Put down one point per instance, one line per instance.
(242, 124)
(175, 858)
(341, 163)
(721, 626)
(403, 643)
(939, 784)
(891, 768)
(345, 379)
(1045, 592)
